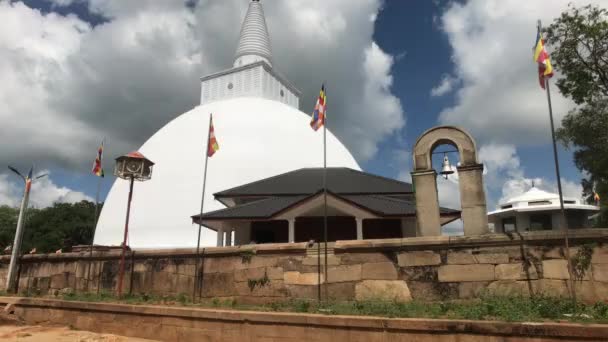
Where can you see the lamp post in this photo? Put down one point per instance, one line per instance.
(16, 248)
(132, 166)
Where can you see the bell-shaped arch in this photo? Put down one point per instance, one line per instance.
(470, 172)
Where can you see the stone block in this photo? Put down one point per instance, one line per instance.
(423, 290)
(592, 291)
(600, 272)
(492, 258)
(302, 291)
(379, 271)
(419, 258)
(218, 285)
(332, 260)
(274, 288)
(344, 273)
(222, 264)
(555, 269)
(463, 258)
(297, 278)
(551, 287)
(472, 289)
(340, 291)
(393, 290)
(459, 273)
(419, 273)
(257, 261)
(362, 258)
(509, 288)
(600, 255)
(515, 272)
(249, 273)
(554, 253)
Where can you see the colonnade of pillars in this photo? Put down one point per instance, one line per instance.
(224, 235)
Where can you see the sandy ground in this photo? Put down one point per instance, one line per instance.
(28, 333)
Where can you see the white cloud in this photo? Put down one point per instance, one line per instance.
(500, 99)
(445, 86)
(44, 192)
(67, 84)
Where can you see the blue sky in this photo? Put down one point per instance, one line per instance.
(424, 40)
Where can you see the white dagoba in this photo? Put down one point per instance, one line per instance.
(260, 131)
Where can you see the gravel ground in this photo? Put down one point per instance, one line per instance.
(29, 333)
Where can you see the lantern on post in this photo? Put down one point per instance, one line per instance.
(132, 166)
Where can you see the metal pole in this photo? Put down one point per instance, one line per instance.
(325, 196)
(561, 197)
(319, 271)
(94, 230)
(16, 248)
(121, 269)
(198, 240)
(559, 189)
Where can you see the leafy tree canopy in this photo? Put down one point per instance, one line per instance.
(579, 39)
(57, 227)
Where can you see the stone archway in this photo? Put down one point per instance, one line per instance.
(470, 172)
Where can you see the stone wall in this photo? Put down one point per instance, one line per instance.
(423, 268)
(190, 324)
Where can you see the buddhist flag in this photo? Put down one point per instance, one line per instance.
(318, 115)
(97, 169)
(541, 56)
(212, 145)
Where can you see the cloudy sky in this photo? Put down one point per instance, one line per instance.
(74, 71)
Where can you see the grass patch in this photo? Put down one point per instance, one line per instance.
(497, 308)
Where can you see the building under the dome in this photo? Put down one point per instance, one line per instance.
(260, 131)
(290, 207)
(540, 210)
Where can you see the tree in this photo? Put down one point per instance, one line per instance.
(57, 227)
(579, 38)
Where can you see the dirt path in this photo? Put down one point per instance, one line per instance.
(28, 333)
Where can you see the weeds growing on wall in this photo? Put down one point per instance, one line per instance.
(582, 261)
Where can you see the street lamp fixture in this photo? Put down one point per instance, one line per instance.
(132, 166)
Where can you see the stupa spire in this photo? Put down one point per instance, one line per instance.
(254, 41)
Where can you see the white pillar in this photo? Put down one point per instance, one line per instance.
(292, 230)
(359, 228)
(220, 237)
(229, 237)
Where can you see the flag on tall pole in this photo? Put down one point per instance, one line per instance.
(318, 114)
(97, 167)
(212, 147)
(541, 57)
(545, 71)
(318, 119)
(97, 171)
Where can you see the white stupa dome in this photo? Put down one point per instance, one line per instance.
(260, 131)
(258, 138)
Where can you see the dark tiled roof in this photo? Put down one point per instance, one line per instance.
(260, 209)
(308, 181)
(383, 206)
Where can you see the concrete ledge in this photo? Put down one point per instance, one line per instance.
(486, 240)
(271, 248)
(437, 327)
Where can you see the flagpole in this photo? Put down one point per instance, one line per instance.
(559, 187)
(200, 224)
(561, 196)
(325, 186)
(95, 218)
